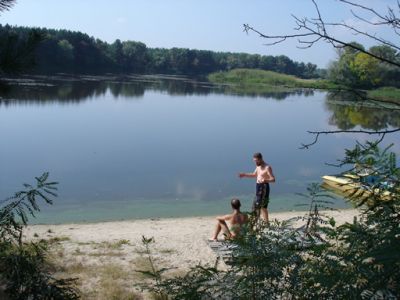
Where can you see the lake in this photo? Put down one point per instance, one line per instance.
(163, 146)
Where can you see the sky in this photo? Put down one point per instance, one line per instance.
(207, 24)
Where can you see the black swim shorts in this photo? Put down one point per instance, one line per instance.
(262, 196)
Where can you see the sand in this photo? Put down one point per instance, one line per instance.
(185, 238)
(84, 250)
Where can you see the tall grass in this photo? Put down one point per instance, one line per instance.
(385, 93)
(260, 78)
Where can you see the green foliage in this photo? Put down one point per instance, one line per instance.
(24, 271)
(266, 262)
(340, 71)
(75, 52)
(260, 80)
(359, 260)
(66, 51)
(385, 94)
(17, 49)
(27, 275)
(248, 76)
(376, 171)
(134, 55)
(15, 210)
(360, 70)
(366, 69)
(319, 200)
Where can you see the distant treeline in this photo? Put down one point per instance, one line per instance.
(76, 52)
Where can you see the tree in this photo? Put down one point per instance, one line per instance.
(134, 56)
(341, 71)
(66, 51)
(17, 49)
(117, 53)
(367, 70)
(390, 75)
(357, 69)
(310, 31)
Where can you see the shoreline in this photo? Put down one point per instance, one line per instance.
(273, 214)
(179, 234)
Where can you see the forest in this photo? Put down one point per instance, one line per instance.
(64, 51)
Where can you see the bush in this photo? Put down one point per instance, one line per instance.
(24, 271)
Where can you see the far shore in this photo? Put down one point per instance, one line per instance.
(90, 251)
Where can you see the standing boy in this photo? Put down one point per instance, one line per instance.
(264, 175)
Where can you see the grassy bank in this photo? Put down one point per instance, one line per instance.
(385, 94)
(252, 81)
(260, 80)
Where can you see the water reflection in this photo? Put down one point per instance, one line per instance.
(117, 157)
(64, 89)
(347, 115)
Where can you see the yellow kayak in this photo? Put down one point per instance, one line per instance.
(349, 185)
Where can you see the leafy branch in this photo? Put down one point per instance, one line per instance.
(24, 271)
(16, 209)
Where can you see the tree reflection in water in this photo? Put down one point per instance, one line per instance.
(66, 89)
(348, 113)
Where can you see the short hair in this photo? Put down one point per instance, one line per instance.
(258, 155)
(235, 203)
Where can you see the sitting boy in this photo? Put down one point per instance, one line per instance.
(236, 219)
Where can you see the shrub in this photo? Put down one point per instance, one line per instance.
(24, 271)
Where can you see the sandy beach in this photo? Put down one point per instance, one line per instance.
(105, 256)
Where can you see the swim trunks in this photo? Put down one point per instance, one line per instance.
(262, 196)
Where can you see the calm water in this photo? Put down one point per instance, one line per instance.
(140, 147)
